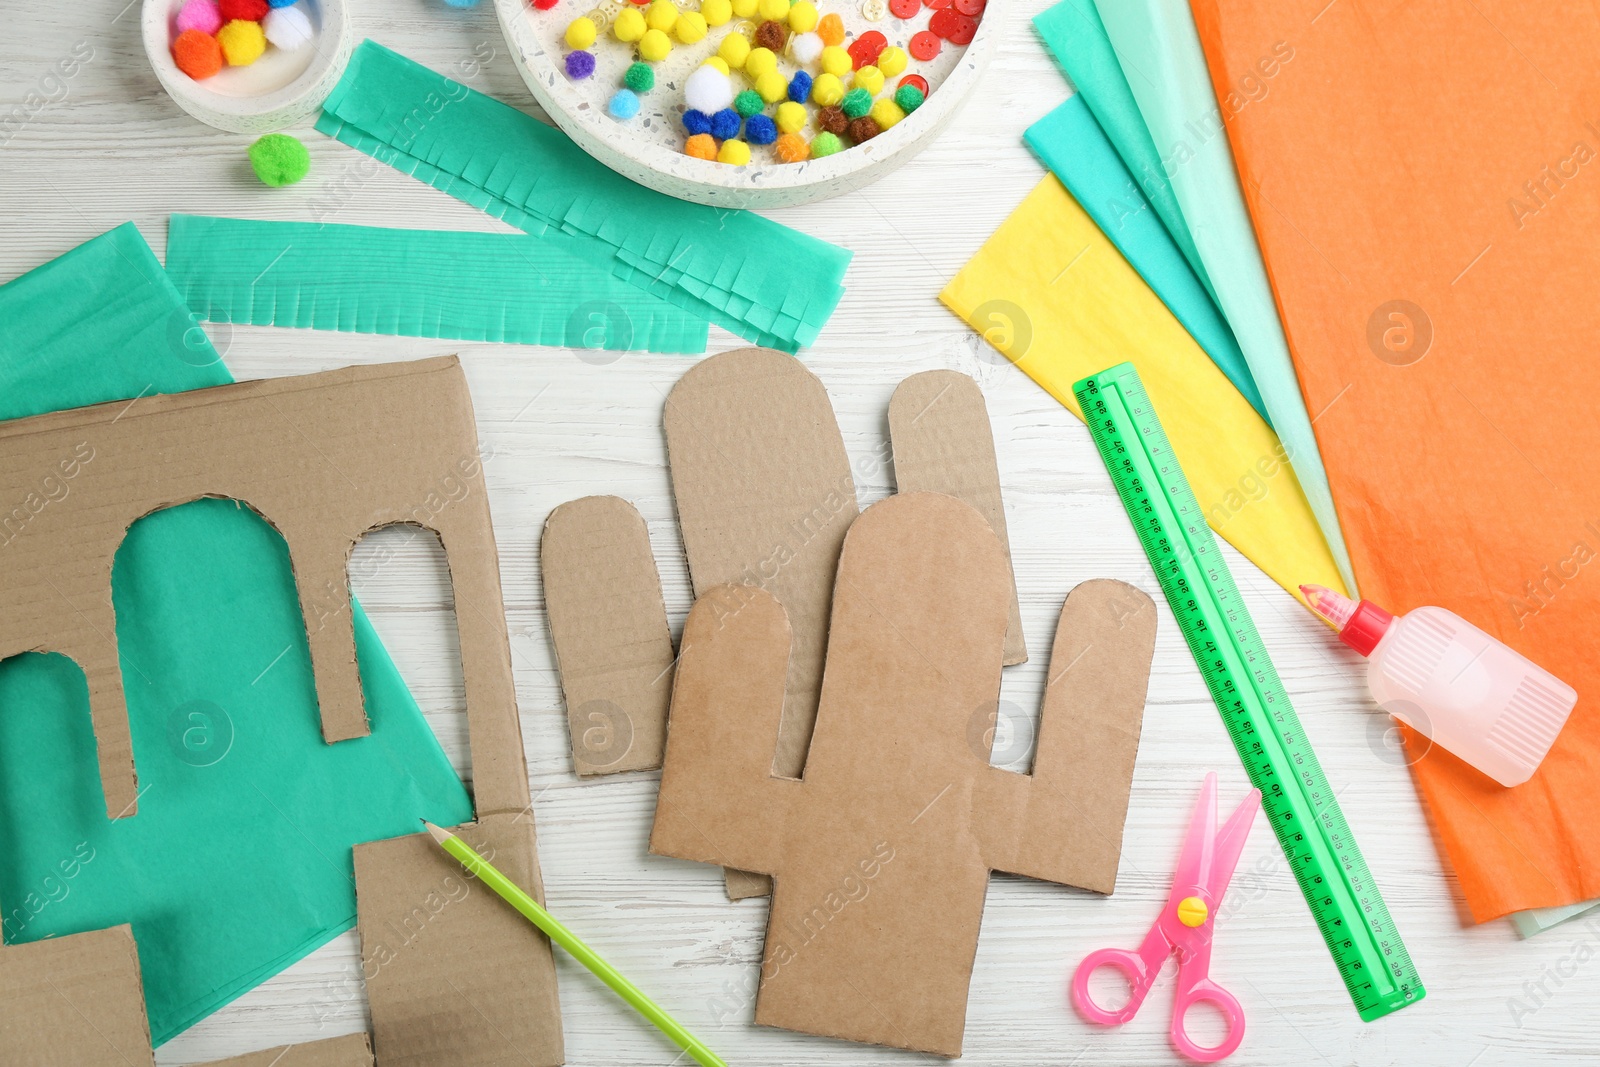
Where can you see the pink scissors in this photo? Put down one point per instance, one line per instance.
(1185, 926)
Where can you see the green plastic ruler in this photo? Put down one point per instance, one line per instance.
(1255, 709)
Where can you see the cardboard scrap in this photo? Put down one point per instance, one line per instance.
(351, 1050)
(943, 443)
(608, 625)
(74, 1002)
(875, 917)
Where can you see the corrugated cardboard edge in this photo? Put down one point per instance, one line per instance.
(943, 443)
(875, 918)
(74, 1001)
(608, 627)
(351, 1050)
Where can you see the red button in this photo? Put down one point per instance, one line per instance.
(936, 5)
(905, 9)
(965, 30)
(953, 26)
(971, 7)
(924, 46)
(865, 49)
(917, 81)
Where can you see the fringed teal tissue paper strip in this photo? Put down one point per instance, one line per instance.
(507, 287)
(758, 279)
(238, 861)
(1071, 143)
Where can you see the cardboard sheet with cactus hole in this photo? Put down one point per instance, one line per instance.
(945, 24)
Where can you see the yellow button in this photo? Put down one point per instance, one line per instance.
(1192, 911)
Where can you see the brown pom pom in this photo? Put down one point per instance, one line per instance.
(832, 120)
(863, 129)
(771, 34)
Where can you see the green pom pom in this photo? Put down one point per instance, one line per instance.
(909, 97)
(279, 159)
(825, 144)
(857, 102)
(640, 78)
(748, 103)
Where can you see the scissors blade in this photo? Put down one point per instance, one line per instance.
(1195, 860)
(1230, 843)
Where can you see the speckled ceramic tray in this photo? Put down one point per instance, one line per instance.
(649, 147)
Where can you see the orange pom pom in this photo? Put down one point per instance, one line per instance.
(701, 146)
(792, 148)
(197, 54)
(831, 30)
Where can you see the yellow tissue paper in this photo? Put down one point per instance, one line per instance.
(1052, 293)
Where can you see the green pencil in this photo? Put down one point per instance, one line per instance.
(508, 890)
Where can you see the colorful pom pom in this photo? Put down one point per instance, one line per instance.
(832, 120)
(581, 32)
(804, 48)
(802, 16)
(791, 116)
(772, 87)
(800, 87)
(748, 103)
(771, 35)
(745, 9)
(242, 42)
(716, 63)
(886, 113)
(716, 12)
(825, 144)
(197, 54)
(837, 61)
(892, 61)
(857, 102)
(243, 10)
(661, 15)
(869, 78)
(917, 80)
(831, 30)
(624, 104)
(734, 50)
(909, 97)
(773, 9)
(863, 129)
(639, 77)
(281, 3)
(759, 129)
(288, 28)
(760, 61)
(701, 146)
(690, 27)
(827, 90)
(279, 159)
(199, 15)
(654, 46)
(791, 148)
(708, 89)
(734, 152)
(628, 26)
(696, 122)
(726, 123)
(580, 65)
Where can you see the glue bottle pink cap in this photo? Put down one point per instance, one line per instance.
(1469, 693)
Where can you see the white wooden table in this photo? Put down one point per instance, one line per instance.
(113, 147)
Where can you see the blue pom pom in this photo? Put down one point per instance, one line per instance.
(760, 129)
(725, 124)
(696, 122)
(624, 105)
(452, 3)
(800, 87)
(290, 3)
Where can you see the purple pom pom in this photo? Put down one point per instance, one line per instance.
(579, 65)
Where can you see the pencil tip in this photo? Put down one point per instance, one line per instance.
(438, 834)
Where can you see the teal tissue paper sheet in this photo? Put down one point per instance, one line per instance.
(760, 280)
(1073, 32)
(508, 287)
(1071, 143)
(237, 862)
(1162, 59)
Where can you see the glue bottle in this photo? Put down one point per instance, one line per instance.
(1453, 683)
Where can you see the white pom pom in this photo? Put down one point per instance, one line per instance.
(708, 90)
(288, 28)
(805, 48)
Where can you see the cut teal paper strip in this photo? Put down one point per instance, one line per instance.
(746, 273)
(1073, 32)
(238, 860)
(1166, 68)
(1071, 143)
(508, 287)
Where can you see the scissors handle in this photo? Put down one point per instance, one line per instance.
(1192, 992)
(1140, 978)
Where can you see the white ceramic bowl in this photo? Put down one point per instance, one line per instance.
(649, 148)
(276, 91)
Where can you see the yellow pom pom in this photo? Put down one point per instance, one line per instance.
(835, 60)
(242, 42)
(654, 46)
(629, 25)
(772, 86)
(802, 16)
(827, 90)
(580, 33)
(870, 78)
(745, 9)
(716, 12)
(776, 10)
(661, 15)
(760, 61)
(735, 152)
(886, 113)
(892, 61)
(690, 27)
(718, 62)
(791, 116)
(735, 49)
(701, 146)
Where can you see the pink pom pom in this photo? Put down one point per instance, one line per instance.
(200, 15)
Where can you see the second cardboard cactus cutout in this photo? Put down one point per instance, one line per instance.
(881, 853)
